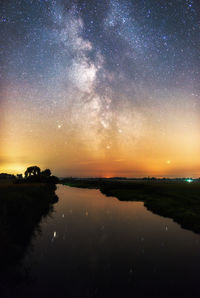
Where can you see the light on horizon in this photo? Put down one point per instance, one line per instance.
(189, 180)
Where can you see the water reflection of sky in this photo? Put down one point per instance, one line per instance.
(97, 246)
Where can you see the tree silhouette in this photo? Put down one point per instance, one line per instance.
(19, 176)
(46, 173)
(32, 171)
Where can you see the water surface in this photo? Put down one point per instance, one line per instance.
(98, 246)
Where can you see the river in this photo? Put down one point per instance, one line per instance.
(98, 246)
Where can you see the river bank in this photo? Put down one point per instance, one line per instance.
(178, 200)
(22, 206)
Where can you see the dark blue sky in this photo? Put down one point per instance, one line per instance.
(98, 65)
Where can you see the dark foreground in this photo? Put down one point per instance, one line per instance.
(178, 200)
(22, 206)
(90, 246)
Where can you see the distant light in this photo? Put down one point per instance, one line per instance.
(189, 180)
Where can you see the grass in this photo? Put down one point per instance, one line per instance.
(178, 200)
(22, 206)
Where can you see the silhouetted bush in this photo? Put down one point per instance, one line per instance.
(7, 176)
(46, 173)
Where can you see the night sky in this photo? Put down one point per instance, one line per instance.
(100, 88)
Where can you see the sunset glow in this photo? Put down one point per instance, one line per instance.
(99, 96)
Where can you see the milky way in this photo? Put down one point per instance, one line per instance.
(100, 87)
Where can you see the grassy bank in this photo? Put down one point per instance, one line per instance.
(178, 200)
(22, 206)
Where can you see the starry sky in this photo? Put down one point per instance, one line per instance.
(100, 88)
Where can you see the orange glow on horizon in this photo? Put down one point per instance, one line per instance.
(130, 146)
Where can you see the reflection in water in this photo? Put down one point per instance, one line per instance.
(95, 246)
